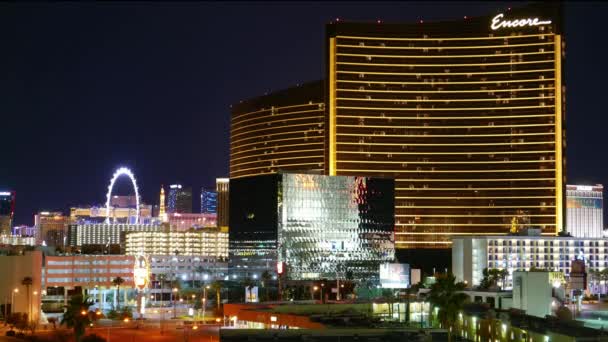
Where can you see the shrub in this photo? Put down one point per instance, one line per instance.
(112, 314)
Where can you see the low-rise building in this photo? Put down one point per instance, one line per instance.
(20, 288)
(104, 233)
(186, 221)
(208, 242)
(471, 254)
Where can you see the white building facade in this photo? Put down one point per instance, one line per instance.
(470, 255)
(585, 210)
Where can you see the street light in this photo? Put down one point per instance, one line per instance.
(15, 291)
(322, 286)
(173, 299)
(205, 300)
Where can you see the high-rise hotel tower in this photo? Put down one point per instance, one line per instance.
(467, 116)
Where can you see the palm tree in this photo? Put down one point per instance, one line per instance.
(217, 286)
(74, 317)
(446, 296)
(27, 282)
(266, 277)
(117, 282)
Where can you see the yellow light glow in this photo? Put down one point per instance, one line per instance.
(559, 164)
(443, 38)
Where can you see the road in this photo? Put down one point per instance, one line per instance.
(148, 331)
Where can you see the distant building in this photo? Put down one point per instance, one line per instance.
(162, 210)
(223, 190)
(95, 214)
(105, 234)
(24, 230)
(180, 199)
(94, 273)
(314, 225)
(7, 211)
(51, 228)
(182, 222)
(208, 242)
(208, 201)
(585, 210)
(17, 240)
(471, 254)
(123, 201)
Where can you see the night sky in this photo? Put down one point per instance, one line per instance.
(86, 88)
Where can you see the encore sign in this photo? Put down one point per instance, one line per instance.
(498, 23)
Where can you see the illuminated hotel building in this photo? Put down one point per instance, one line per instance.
(585, 210)
(182, 222)
(180, 199)
(51, 228)
(467, 116)
(81, 215)
(471, 254)
(280, 131)
(7, 210)
(102, 234)
(223, 192)
(208, 201)
(210, 242)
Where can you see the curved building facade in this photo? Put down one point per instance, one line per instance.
(467, 117)
(280, 131)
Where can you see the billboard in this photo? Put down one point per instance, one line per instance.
(395, 276)
(579, 202)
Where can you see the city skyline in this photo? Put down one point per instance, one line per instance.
(176, 123)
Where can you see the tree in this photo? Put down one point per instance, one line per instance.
(76, 315)
(266, 278)
(446, 296)
(117, 282)
(491, 278)
(217, 286)
(27, 282)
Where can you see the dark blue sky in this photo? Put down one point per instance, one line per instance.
(88, 87)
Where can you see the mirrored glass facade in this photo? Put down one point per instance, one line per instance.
(318, 226)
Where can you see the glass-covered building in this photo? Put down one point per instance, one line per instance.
(7, 209)
(208, 201)
(315, 226)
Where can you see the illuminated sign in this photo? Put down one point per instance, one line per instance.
(584, 187)
(395, 276)
(279, 267)
(141, 272)
(498, 22)
(5, 193)
(175, 186)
